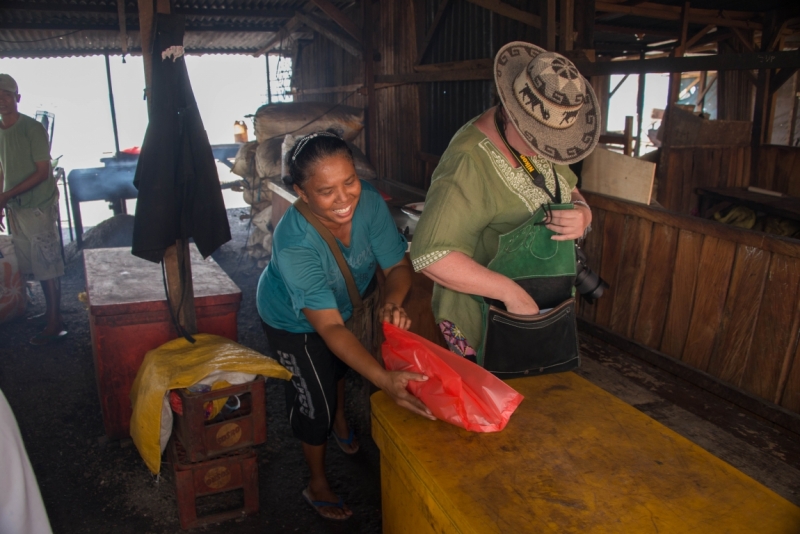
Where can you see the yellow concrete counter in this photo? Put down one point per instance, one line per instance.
(573, 458)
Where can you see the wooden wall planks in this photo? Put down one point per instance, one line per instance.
(650, 319)
(636, 243)
(723, 300)
(613, 234)
(779, 169)
(741, 312)
(768, 351)
(686, 168)
(681, 301)
(713, 274)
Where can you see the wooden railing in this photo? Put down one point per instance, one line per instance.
(720, 299)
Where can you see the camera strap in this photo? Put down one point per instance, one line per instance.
(536, 177)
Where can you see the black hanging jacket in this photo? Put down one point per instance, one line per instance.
(179, 189)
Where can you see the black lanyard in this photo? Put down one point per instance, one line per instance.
(536, 177)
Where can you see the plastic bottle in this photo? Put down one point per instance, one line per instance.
(239, 132)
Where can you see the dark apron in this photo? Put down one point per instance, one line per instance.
(521, 345)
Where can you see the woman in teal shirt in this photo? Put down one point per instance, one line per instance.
(303, 301)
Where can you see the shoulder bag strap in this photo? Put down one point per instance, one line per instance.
(352, 289)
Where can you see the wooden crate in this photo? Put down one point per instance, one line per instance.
(244, 427)
(215, 477)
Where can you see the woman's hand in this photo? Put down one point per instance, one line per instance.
(520, 303)
(394, 383)
(394, 314)
(569, 224)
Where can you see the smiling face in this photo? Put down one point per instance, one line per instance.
(332, 191)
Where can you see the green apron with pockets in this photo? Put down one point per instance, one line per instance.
(521, 345)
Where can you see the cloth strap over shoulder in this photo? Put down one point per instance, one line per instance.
(363, 323)
(352, 289)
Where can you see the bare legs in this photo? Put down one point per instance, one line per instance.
(52, 297)
(318, 487)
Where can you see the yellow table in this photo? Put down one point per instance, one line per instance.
(573, 458)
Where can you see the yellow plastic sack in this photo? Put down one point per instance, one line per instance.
(180, 364)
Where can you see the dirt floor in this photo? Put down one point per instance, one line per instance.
(92, 485)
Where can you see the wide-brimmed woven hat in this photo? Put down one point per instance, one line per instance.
(551, 105)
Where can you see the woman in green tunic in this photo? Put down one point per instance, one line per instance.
(482, 189)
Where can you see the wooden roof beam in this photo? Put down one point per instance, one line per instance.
(736, 19)
(123, 30)
(432, 31)
(501, 8)
(339, 18)
(763, 60)
(320, 27)
(110, 8)
(282, 34)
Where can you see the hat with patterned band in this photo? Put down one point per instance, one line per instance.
(551, 105)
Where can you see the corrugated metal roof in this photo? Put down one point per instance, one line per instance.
(57, 28)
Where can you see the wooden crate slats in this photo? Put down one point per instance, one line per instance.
(593, 248)
(630, 275)
(745, 292)
(613, 235)
(773, 343)
(713, 276)
(657, 286)
(681, 299)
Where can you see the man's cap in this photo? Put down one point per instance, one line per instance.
(7, 83)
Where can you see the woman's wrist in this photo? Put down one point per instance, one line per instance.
(587, 215)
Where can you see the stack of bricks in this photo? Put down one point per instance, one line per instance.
(212, 459)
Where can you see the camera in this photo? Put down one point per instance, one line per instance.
(587, 282)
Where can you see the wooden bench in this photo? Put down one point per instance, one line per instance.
(573, 458)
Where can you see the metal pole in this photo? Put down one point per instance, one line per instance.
(269, 89)
(111, 103)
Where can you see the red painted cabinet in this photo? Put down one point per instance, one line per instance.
(128, 316)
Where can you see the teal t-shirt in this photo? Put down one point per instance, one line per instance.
(21, 146)
(304, 274)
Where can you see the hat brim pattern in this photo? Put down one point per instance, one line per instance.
(565, 146)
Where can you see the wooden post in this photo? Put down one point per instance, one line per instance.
(567, 24)
(369, 82)
(640, 109)
(584, 20)
(547, 12)
(793, 120)
(675, 77)
(763, 105)
(177, 262)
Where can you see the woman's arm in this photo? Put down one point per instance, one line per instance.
(571, 224)
(330, 326)
(459, 272)
(395, 289)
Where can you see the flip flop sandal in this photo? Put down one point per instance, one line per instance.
(37, 320)
(47, 339)
(345, 442)
(318, 505)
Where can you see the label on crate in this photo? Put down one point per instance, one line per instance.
(217, 477)
(229, 435)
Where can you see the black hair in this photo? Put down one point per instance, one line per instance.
(310, 149)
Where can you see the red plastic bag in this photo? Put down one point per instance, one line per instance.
(457, 390)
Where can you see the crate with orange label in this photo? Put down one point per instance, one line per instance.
(216, 490)
(221, 420)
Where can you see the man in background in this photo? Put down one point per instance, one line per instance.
(30, 198)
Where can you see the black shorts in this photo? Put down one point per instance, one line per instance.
(311, 395)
